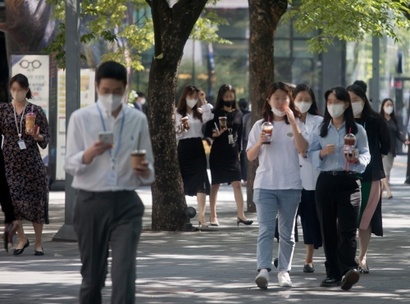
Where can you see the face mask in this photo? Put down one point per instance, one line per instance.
(191, 102)
(388, 109)
(278, 113)
(19, 96)
(143, 100)
(303, 106)
(110, 102)
(228, 103)
(357, 108)
(335, 110)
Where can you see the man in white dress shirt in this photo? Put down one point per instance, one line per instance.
(107, 210)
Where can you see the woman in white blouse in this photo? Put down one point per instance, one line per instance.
(191, 113)
(277, 186)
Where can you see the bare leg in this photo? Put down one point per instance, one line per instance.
(386, 186)
(21, 235)
(212, 203)
(38, 231)
(201, 199)
(364, 238)
(237, 191)
(309, 254)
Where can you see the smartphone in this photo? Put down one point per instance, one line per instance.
(106, 137)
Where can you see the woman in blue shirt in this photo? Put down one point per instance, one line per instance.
(338, 188)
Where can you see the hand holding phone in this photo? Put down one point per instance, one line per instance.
(106, 137)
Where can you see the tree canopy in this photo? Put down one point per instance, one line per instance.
(348, 20)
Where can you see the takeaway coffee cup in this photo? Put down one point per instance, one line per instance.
(223, 122)
(267, 128)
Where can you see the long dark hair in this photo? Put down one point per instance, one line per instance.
(267, 109)
(350, 124)
(219, 99)
(392, 115)
(313, 110)
(23, 82)
(368, 113)
(181, 108)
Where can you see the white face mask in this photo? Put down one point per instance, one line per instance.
(303, 106)
(336, 110)
(110, 102)
(388, 109)
(357, 108)
(278, 113)
(191, 102)
(19, 96)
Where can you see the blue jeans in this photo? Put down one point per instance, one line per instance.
(269, 204)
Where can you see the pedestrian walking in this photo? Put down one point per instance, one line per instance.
(107, 210)
(225, 129)
(370, 216)
(339, 149)
(10, 222)
(192, 112)
(25, 129)
(305, 101)
(246, 128)
(275, 140)
(389, 116)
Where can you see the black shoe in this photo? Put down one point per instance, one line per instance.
(308, 269)
(351, 277)
(36, 252)
(330, 282)
(276, 262)
(245, 222)
(20, 251)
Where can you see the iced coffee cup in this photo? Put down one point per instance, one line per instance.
(30, 122)
(137, 157)
(349, 144)
(267, 128)
(223, 122)
(184, 121)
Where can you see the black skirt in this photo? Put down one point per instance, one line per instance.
(193, 165)
(225, 166)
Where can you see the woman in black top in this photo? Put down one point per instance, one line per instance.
(370, 216)
(389, 116)
(226, 147)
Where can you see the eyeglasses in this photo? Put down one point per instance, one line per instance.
(25, 64)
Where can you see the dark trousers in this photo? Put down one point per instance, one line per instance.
(103, 220)
(5, 198)
(338, 202)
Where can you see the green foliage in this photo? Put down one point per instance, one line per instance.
(348, 20)
(125, 27)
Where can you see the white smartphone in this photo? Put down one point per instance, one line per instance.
(106, 137)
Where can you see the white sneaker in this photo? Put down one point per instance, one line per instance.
(262, 279)
(284, 279)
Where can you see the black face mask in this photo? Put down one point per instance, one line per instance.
(228, 103)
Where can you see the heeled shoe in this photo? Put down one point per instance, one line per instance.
(362, 267)
(245, 222)
(37, 252)
(20, 251)
(214, 222)
(202, 223)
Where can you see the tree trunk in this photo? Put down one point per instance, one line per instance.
(264, 16)
(172, 27)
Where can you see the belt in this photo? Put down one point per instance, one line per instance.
(341, 173)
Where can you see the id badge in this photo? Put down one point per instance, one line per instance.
(22, 144)
(112, 178)
(230, 139)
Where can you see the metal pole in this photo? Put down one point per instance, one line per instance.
(72, 13)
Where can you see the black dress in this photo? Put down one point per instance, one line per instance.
(379, 143)
(224, 157)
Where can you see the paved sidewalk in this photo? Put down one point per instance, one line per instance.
(216, 265)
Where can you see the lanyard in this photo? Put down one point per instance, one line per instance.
(19, 130)
(118, 145)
